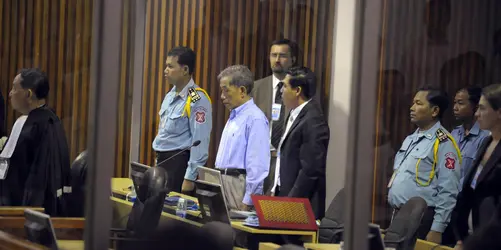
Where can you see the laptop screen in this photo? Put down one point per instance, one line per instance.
(211, 201)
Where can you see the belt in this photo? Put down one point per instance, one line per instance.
(232, 171)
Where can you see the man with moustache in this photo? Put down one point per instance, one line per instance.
(267, 96)
(185, 117)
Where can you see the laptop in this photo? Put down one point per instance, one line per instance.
(212, 202)
(214, 176)
(209, 175)
(212, 180)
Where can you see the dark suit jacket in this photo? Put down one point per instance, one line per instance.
(483, 200)
(303, 156)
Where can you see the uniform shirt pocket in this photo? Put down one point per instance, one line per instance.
(176, 124)
(423, 158)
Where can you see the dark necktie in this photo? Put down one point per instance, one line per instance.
(277, 128)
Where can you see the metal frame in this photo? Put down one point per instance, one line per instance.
(137, 94)
(102, 127)
(366, 21)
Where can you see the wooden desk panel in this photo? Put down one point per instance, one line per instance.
(66, 228)
(18, 211)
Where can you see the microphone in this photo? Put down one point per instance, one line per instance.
(195, 143)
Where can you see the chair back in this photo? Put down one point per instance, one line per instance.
(402, 233)
(332, 225)
(148, 206)
(78, 174)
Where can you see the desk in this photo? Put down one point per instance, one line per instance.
(120, 189)
(122, 208)
(322, 246)
(307, 236)
(426, 245)
(70, 244)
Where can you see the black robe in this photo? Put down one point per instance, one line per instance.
(2, 116)
(39, 169)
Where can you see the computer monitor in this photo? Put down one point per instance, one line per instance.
(137, 171)
(211, 201)
(209, 175)
(39, 229)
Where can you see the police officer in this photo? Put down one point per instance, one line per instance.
(427, 165)
(185, 117)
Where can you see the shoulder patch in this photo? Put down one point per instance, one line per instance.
(195, 97)
(441, 135)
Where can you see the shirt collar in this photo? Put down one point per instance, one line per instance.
(475, 130)
(275, 81)
(234, 112)
(184, 92)
(430, 133)
(295, 112)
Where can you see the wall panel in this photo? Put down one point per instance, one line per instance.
(223, 33)
(55, 36)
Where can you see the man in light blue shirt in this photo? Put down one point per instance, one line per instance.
(427, 165)
(243, 156)
(468, 135)
(185, 117)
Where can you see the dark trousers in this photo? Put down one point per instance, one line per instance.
(270, 179)
(175, 168)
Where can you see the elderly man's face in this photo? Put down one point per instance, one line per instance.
(231, 95)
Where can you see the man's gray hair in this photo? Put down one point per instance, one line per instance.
(240, 75)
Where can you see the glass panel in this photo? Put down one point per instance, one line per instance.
(450, 45)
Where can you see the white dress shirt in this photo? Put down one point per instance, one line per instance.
(275, 82)
(293, 115)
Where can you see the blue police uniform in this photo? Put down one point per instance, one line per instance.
(430, 169)
(468, 144)
(180, 126)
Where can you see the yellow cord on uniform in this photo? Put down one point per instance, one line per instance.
(187, 106)
(435, 159)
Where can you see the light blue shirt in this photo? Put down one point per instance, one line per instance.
(245, 144)
(442, 191)
(468, 145)
(177, 132)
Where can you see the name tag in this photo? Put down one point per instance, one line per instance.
(275, 111)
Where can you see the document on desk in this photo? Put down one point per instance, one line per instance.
(252, 221)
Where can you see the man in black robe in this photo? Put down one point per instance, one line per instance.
(38, 168)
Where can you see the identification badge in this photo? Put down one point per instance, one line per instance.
(275, 111)
(392, 179)
(4, 167)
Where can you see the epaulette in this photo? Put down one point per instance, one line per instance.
(441, 135)
(195, 97)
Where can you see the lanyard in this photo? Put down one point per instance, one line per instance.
(409, 150)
